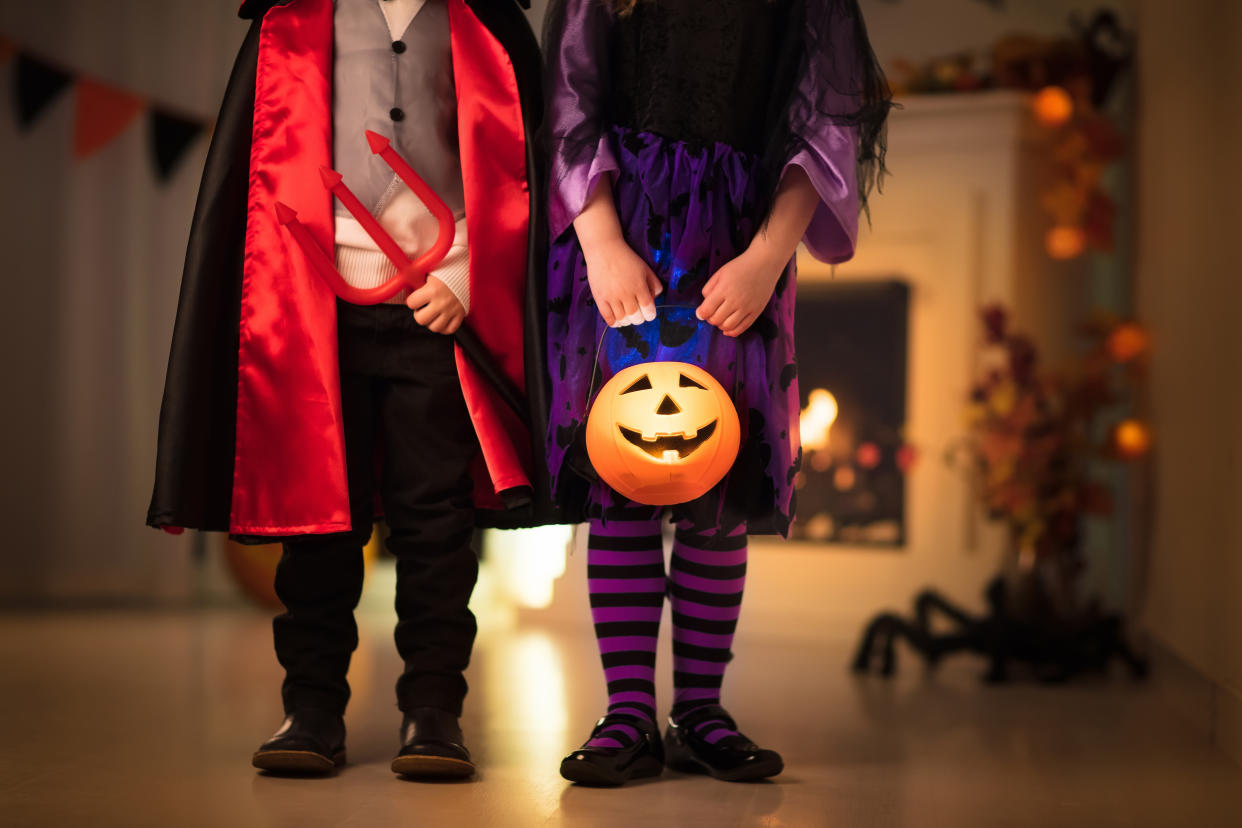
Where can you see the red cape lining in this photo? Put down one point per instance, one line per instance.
(289, 469)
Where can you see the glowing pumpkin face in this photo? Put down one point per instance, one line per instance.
(662, 432)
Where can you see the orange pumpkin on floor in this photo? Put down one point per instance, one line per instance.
(661, 433)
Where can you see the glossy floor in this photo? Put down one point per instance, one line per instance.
(149, 718)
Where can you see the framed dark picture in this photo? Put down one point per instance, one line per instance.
(851, 339)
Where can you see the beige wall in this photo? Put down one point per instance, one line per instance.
(1190, 292)
(922, 29)
(92, 266)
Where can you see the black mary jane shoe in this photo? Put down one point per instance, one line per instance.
(609, 767)
(432, 746)
(733, 758)
(310, 741)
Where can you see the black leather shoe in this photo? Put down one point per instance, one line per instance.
(733, 758)
(432, 746)
(309, 741)
(608, 767)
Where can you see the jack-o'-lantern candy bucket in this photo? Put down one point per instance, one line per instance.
(661, 433)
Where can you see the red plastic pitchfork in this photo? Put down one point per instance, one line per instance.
(410, 273)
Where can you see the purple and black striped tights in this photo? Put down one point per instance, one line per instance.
(625, 571)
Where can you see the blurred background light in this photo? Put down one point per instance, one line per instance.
(1064, 242)
(523, 564)
(817, 419)
(1053, 106)
(1131, 439)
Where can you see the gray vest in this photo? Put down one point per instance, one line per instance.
(405, 92)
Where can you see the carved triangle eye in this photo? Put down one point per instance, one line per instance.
(643, 384)
(686, 382)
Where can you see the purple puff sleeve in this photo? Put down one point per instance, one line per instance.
(829, 162)
(576, 45)
(837, 118)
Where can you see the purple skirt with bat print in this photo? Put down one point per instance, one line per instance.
(686, 209)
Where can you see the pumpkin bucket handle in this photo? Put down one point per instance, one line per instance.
(594, 386)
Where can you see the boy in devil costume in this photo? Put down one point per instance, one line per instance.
(286, 412)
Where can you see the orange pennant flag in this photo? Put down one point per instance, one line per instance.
(102, 112)
(6, 49)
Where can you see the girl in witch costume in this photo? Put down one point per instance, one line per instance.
(693, 144)
(287, 412)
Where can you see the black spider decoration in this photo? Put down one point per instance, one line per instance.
(1055, 648)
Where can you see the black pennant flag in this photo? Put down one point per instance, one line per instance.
(171, 136)
(38, 84)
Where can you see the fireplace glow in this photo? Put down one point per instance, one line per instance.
(815, 423)
(852, 339)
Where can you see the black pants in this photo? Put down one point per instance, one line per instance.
(404, 414)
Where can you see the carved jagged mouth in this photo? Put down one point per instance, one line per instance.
(661, 445)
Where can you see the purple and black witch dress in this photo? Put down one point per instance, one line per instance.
(695, 109)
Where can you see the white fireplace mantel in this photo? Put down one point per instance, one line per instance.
(959, 219)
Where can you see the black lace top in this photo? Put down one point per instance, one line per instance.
(699, 72)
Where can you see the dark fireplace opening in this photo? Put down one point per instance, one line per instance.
(851, 341)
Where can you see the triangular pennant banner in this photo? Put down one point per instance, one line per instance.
(102, 112)
(38, 84)
(171, 136)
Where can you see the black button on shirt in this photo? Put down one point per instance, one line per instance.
(398, 47)
(396, 113)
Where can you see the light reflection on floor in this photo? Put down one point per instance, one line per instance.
(149, 718)
(533, 697)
